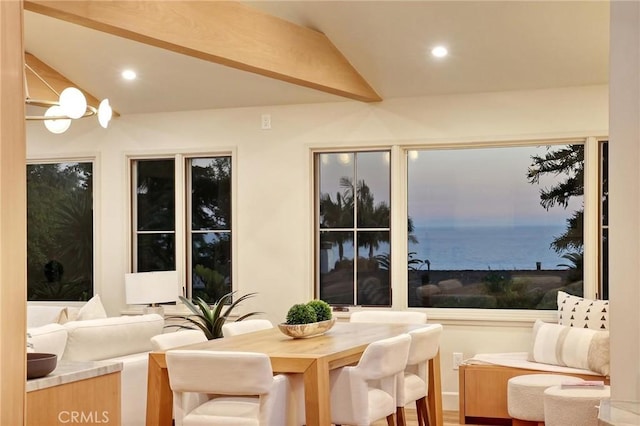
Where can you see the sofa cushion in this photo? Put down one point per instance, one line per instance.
(570, 346)
(39, 315)
(574, 311)
(50, 339)
(99, 339)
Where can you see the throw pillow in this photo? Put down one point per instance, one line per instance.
(93, 309)
(72, 313)
(41, 315)
(63, 317)
(574, 311)
(571, 347)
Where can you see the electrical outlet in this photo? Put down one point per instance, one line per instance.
(265, 122)
(457, 360)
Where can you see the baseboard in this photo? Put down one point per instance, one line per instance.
(450, 401)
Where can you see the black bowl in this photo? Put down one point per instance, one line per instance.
(39, 364)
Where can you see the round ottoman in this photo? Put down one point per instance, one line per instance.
(573, 406)
(525, 394)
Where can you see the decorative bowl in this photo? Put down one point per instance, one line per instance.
(299, 331)
(40, 364)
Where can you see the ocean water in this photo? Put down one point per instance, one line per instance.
(488, 247)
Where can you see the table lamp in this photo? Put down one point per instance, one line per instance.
(151, 288)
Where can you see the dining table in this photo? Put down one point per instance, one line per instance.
(313, 357)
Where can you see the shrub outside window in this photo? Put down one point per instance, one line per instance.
(60, 231)
(205, 229)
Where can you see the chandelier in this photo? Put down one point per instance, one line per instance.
(56, 101)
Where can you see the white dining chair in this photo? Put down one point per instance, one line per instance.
(163, 342)
(367, 392)
(295, 380)
(234, 388)
(245, 326)
(166, 341)
(389, 317)
(413, 383)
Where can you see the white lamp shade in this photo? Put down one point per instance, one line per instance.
(73, 102)
(56, 126)
(104, 113)
(145, 288)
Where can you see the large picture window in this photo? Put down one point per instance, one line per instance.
(353, 228)
(60, 231)
(197, 242)
(495, 227)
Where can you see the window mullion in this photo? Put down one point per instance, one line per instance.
(398, 225)
(183, 222)
(591, 225)
(355, 229)
(134, 215)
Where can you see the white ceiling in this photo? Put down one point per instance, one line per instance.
(494, 46)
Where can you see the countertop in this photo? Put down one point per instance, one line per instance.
(72, 371)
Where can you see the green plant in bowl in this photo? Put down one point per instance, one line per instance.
(301, 313)
(211, 318)
(322, 308)
(307, 320)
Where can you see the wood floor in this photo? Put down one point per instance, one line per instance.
(450, 419)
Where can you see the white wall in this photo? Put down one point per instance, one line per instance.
(273, 222)
(624, 153)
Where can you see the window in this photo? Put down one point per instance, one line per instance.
(60, 231)
(495, 227)
(498, 227)
(353, 228)
(604, 220)
(155, 216)
(210, 231)
(163, 236)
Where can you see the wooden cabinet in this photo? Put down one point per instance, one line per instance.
(90, 401)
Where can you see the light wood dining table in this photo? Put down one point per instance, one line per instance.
(312, 357)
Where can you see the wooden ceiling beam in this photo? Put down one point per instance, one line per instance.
(45, 83)
(225, 32)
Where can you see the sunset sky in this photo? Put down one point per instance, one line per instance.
(461, 187)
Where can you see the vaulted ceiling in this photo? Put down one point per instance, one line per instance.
(494, 46)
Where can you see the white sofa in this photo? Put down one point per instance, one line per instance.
(126, 339)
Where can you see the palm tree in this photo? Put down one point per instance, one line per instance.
(371, 216)
(337, 214)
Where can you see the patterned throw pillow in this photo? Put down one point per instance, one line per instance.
(574, 311)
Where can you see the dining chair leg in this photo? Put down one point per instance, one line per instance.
(402, 421)
(420, 414)
(390, 420)
(423, 408)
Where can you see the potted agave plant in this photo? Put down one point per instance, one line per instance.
(308, 319)
(210, 318)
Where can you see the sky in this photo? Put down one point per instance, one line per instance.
(480, 187)
(458, 187)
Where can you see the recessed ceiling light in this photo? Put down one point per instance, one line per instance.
(439, 51)
(129, 75)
